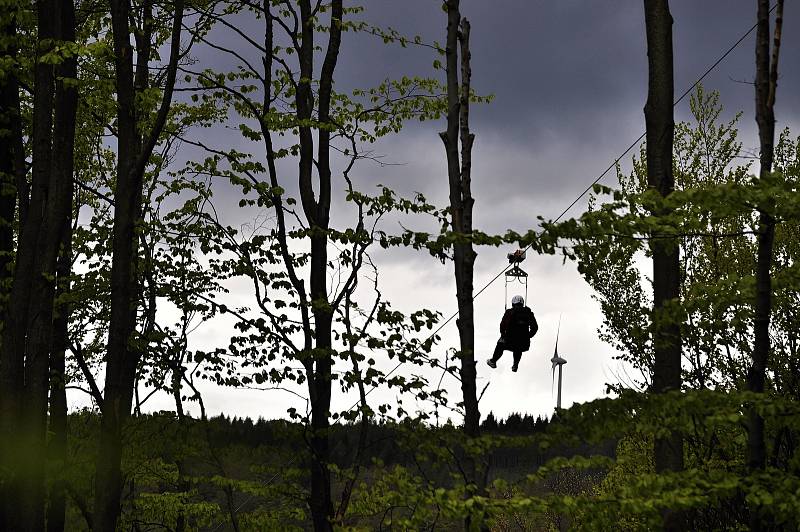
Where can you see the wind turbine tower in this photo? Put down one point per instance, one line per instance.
(558, 362)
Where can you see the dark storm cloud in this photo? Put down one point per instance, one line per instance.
(545, 62)
(558, 65)
(570, 81)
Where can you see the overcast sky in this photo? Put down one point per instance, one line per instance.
(570, 82)
(569, 79)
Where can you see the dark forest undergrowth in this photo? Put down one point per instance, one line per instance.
(589, 468)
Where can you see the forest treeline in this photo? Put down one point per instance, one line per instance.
(183, 207)
(250, 432)
(255, 459)
(223, 430)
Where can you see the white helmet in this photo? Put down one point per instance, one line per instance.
(517, 301)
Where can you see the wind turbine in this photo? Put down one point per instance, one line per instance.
(557, 361)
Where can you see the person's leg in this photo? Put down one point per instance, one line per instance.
(498, 352)
(517, 357)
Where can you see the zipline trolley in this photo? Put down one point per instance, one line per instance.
(515, 274)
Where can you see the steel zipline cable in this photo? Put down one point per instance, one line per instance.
(567, 209)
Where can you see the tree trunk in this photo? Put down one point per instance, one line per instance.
(119, 359)
(52, 235)
(10, 368)
(133, 155)
(9, 115)
(464, 253)
(58, 396)
(317, 212)
(666, 254)
(66, 104)
(766, 84)
(321, 497)
(317, 348)
(25, 474)
(461, 203)
(30, 311)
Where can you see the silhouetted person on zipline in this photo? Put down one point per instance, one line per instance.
(516, 330)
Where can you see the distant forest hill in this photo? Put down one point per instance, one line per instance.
(388, 442)
(246, 431)
(224, 429)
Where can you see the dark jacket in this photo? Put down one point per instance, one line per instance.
(518, 327)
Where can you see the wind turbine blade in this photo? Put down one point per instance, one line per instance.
(558, 332)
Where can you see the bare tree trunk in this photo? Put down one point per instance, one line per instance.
(666, 253)
(766, 84)
(461, 202)
(132, 157)
(464, 253)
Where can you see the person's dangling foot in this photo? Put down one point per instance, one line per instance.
(491, 363)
